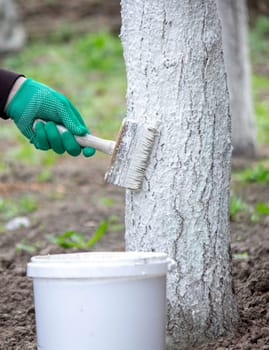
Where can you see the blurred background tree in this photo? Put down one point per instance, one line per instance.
(12, 33)
(234, 22)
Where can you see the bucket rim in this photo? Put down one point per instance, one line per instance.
(98, 265)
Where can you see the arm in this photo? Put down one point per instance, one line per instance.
(15, 87)
(7, 81)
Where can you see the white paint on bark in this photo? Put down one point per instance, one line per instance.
(176, 75)
(233, 16)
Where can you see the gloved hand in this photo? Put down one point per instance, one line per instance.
(34, 100)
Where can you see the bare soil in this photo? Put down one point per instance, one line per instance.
(42, 18)
(72, 201)
(76, 198)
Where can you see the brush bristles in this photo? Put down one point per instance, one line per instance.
(139, 162)
(131, 156)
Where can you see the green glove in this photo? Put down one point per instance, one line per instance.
(34, 101)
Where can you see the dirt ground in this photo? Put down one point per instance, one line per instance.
(72, 201)
(44, 17)
(76, 199)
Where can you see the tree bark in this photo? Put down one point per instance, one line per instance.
(233, 16)
(12, 34)
(176, 76)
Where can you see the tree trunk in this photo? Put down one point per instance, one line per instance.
(233, 16)
(12, 34)
(176, 75)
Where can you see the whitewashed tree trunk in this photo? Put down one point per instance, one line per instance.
(233, 16)
(12, 33)
(176, 75)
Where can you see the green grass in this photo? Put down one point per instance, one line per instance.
(258, 174)
(260, 211)
(260, 88)
(72, 239)
(259, 53)
(26, 246)
(241, 256)
(10, 208)
(258, 40)
(237, 207)
(106, 201)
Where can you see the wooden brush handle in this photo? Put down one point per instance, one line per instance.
(88, 140)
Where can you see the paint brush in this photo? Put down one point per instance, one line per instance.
(129, 153)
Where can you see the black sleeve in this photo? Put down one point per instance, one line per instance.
(7, 80)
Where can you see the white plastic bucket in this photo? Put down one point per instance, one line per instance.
(100, 301)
